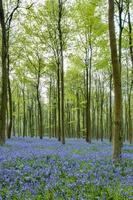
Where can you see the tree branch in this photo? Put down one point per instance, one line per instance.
(9, 19)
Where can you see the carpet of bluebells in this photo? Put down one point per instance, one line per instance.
(46, 170)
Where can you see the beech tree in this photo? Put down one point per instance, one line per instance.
(4, 76)
(117, 135)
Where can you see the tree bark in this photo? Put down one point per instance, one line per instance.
(88, 94)
(101, 109)
(78, 115)
(40, 125)
(50, 108)
(9, 130)
(60, 4)
(4, 77)
(131, 86)
(14, 118)
(117, 137)
(110, 108)
(58, 88)
(24, 113)
(8, 24)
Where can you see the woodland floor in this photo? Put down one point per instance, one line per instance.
(46, 170)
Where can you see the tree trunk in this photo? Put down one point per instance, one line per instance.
(36, 118)
(60, 4)
(88, 95)
(58, 88)
(87, 106)
(40, 125)
(78, 116)
(14, 118)
(50, 108)
(131, 56)
(9, 130)
(4, 77)
(110, 109)
(40, 121)
(117, 137)
(101, 110)
(18, 113)
(120, 10)
(24, 113)
(97, 109)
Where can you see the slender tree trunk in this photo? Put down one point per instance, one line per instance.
(68, 120)
(58, 88)
(55, 122)
(120, 10)
(24, 113)
(126, 124)
(129, 90)
(40, 121)
(101, 112)
(78, 116)
(97, 110)
(54, 110)
(131, 56)
(87, 106)
(50, 108)
(90, 68)
(88, 95)
(130, 38)
(14, 118)
(84, 108)
(60, 4)
(4, 77)
(93, 127)
(110, 109)
(36, 118)
(9, 130)
(18, 114)
(40, 125)
(107, 119)
(117, 137)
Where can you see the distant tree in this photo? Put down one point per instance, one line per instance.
(9, 92)
(130, 33)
